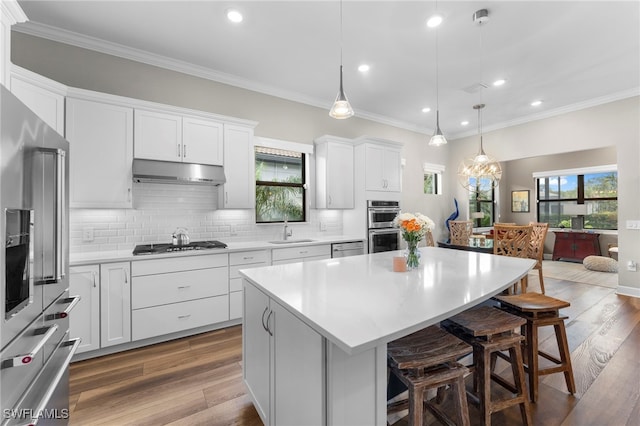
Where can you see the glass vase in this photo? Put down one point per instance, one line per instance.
(412, 255)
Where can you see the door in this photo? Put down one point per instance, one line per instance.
(202, 141)
(115, 304)
(392, 170)
(256, 358)
(339, 176)
(374, 158)
(85, 321)
(158, 136)
(239, 190)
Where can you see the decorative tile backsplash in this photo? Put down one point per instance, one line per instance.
(161, 208)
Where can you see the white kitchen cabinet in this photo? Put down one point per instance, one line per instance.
(334, 173)
(10, 13)
(115, 303)
(172, 137)
(43, 96)
(238, 192)
(300, 254)
(237, 261)
(176, 294)
(383, 169)
(84, 322)
(285, 366)
(101, 139)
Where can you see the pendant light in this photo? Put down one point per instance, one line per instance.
(341, 108)
(438, 138)
(482, 171)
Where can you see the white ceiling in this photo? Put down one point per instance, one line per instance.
(569, 54)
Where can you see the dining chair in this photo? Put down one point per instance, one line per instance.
(461, 231)
(513, 241)
(536, 247)
(429, 239)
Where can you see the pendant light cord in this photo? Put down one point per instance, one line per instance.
(341, 34)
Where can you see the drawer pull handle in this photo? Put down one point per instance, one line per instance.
(26, 359)
(72, 301)
(184, 316)
(303, 251)
(247, 258)
(184, 287)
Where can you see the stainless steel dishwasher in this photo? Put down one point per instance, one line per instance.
(351, 248)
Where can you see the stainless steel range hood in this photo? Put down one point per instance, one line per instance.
(182, 173)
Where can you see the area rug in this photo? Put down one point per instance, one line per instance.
(576, 272)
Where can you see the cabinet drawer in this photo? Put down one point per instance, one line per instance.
(159, 320)
(246, 257)
(176, 264)
(234, 270)
(152, 290)
(301, 252)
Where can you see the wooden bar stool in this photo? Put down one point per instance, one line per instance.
(539, 311)
(489, 331)
(426, 360)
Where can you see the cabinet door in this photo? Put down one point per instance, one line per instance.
(392, 174)
(115, 304)
(49, 106)
(239, 190)
(256, 349)
(101, 139)
(296, 348)
(84, 321)
(340, 176)
(158, 136)
(374, 160)
(202, 141)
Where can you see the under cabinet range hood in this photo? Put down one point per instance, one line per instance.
(184, 173)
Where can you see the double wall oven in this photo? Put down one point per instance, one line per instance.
(382, 235)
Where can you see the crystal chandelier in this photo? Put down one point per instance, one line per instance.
(481, 172)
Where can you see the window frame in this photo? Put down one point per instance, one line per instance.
(477, 222)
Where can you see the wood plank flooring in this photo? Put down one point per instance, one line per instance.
(198, 380)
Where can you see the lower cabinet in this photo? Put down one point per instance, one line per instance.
(84, 281)
(285, 355)
(575, 246)
(115, 303)
(237, 261)
(176, 294)
(300, 254)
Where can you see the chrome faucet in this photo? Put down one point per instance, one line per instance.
(286, 231)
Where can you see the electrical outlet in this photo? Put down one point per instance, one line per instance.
(632, 266)
(233, 231)
(87, 235)
(323, 226)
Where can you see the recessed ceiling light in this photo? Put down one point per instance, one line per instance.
(363, 68)
(499, 82)
(536, 103)
(234, 16)
(464, 123)
(426, 109)
(434, 21)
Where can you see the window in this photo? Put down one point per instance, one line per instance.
(280, 185)
(432, 183)
(596, 188)
(481, 202)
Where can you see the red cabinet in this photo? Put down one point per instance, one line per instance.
(575, 246)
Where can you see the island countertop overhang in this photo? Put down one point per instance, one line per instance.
(358, 302)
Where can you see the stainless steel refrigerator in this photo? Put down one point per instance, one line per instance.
(34, 270)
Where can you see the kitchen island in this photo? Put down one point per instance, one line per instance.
(315, 334)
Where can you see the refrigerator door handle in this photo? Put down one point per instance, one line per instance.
(61, 212)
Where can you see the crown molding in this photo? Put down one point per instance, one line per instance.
(13, 11)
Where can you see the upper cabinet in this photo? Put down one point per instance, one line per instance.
(382, 164)
(178, 138)
(101, 139)
(334, 173)
(10, 13)
(43, 96)
(239, 190)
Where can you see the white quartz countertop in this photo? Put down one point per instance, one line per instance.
(359, 302)
(87, 258)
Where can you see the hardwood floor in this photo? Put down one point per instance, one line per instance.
(198, 380)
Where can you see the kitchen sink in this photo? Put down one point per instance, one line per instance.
(291, 241)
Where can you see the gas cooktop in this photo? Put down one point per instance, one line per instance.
(169, 248)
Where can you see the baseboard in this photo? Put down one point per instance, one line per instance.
(628, 291)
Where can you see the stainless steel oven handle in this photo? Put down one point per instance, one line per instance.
(72, 301)
(25, 359)
(40, 407)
